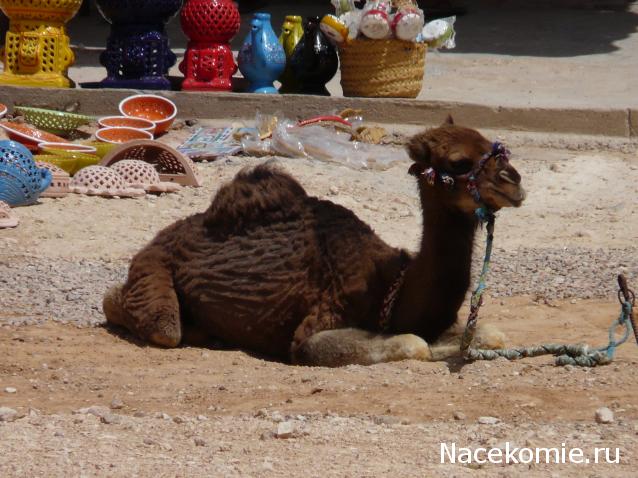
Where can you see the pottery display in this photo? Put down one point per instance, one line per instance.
(137, 53)
(291, 33)
(37, 51)
(208, 64)
(314, 61)
(261, 58)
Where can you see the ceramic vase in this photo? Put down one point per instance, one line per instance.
(262, 58)
(291, 33)
(137, 52)
(37, 51)
(314, 61)
(208, 63)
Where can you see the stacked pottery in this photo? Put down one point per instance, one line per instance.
(291, 33)
(137, 53)
(209, 64)
(314, 61)
(262, 58)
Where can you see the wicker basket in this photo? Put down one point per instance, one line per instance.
(382, 68)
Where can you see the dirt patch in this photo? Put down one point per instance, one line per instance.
(218, 412)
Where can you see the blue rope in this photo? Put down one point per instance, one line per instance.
(568, 354)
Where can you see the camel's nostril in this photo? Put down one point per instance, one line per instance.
(509, 178)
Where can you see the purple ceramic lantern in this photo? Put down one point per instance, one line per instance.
(137, 53)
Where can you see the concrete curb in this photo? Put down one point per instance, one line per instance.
(243, 106)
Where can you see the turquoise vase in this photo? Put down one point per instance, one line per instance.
(261, 58)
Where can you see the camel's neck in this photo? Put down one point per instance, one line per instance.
(438, 278)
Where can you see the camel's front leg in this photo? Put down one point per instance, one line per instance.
(147, 304)
(338, 347)
(449, 346)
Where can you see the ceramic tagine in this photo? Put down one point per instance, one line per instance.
(137, 52)
(262, 58)
(291, 33)
(208, 63)
(314, 61)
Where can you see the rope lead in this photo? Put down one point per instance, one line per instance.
(569, 354)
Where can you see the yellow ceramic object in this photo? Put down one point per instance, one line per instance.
(70, 162)
(291, 33)
(37, 51)
(101, 149)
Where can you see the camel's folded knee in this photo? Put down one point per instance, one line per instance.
(335, 348)
(112, 305)
(485, 337)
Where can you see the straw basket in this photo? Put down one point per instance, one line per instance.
(382, 68)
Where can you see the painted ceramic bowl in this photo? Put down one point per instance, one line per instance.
(28, 136)
(121, 135)
(3, 110)
(56, 148)
(69, 165)
(127, 122)
(101, 148)
(155, 108)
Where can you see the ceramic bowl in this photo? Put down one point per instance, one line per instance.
(155, 108)
(28, 136)
(127, 122)
(101, 148)
(56, 148)
(3, 110)
(121, 135)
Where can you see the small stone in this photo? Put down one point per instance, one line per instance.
(149, 441)
(334, 190)
(488, 420)
(8, 414)
(116, 404)
(10, 390)
(604, 415)
(202, 418)
(267, 435)
(59, 434)
(199, 441)
(178, 420)
(285, 430)
(459, 416)
(277, 417)
(110, 418)
(386, 420)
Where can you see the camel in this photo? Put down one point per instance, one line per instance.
(269, 269)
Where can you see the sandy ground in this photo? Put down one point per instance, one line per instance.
(91, 402)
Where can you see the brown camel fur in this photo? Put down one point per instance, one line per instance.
(270, 269)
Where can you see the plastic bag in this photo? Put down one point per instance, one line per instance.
(328, 145)
(439, 33)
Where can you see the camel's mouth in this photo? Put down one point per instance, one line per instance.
(513, 200)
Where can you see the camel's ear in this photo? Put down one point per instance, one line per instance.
(419, 149)
(449, 120)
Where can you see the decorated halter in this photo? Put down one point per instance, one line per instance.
(499, 153)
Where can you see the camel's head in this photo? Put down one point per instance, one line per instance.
(458, 167)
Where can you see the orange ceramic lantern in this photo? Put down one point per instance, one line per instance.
(37, 51)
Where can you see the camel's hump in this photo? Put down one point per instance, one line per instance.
(253, 194)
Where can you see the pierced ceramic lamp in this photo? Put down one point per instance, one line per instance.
(37, 51)
(137, 52)
(209, 64)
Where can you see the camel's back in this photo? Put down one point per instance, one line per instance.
(265, 256)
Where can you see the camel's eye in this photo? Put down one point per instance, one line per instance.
(462, 166)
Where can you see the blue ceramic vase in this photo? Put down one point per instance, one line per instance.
(261, 58)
